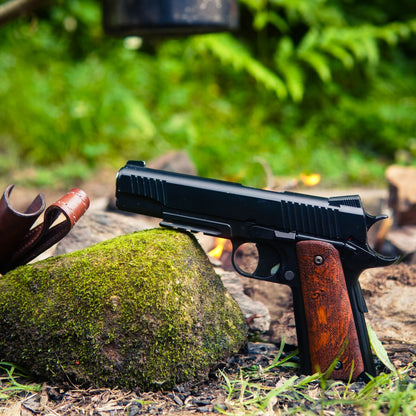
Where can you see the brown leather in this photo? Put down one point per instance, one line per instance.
(19, 243)
(14, 225)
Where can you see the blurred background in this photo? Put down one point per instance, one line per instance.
(302, 87)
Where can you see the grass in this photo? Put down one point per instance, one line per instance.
(277, 390)
(9, 384)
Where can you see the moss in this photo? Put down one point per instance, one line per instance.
(142, 310)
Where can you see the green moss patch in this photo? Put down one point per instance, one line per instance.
(142, 310)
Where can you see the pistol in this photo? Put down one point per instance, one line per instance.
(317, 246)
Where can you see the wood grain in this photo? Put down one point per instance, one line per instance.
(331, 329)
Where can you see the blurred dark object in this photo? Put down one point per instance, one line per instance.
(13, 9)
(168, 17)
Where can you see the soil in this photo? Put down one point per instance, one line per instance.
(207, 397)
(390, 295)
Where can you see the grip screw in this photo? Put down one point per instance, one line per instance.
(289, 275)
(338, 365)
(318, 260)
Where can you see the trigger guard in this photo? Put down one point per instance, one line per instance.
(236, 246)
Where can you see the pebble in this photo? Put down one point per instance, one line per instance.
(260, 348)
(201, 401)
(205, 409)
(220, 407)
(176, 399)
(134, 409)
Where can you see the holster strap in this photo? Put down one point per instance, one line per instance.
(19, 242)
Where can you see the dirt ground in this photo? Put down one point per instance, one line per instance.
(390, 295)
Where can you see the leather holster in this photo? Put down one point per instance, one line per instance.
(20, 242)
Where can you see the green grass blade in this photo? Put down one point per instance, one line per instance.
(379, 350)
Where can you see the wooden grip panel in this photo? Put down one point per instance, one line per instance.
(330, 323)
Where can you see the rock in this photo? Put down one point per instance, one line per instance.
(98, 225)
(255, 312)
(175, 161)
(142, 310)
(390, 294)
(277, 299)
(261, 348)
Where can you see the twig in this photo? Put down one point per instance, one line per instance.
(412, 350)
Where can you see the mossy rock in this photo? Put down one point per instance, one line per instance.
(142, 310)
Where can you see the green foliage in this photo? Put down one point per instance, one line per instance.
(379, 349)
(311, 38)
(252, 392)
(306, 85)
(9, 384)
(276, 390)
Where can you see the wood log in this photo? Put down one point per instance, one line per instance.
(402, 194)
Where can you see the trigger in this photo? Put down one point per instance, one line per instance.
(269, 261)
(266, 269)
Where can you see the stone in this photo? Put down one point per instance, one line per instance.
(390, 294)
(98, 225)
(255, 312)
(175, 161)
(144, 310)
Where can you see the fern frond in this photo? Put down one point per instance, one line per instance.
(311, 12)
(361, 41)
(328, 39)
(294, 77)
(310, 40)
(263, 18)
(255, 5)
(339, 53)
(288, 66)
(371, 48)
(319, 63)
(230, 51)
(394, 32)
(307, 52)
(285, 50)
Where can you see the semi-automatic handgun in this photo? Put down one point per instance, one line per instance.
(317, 246)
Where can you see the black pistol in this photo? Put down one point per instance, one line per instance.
(317, 246)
